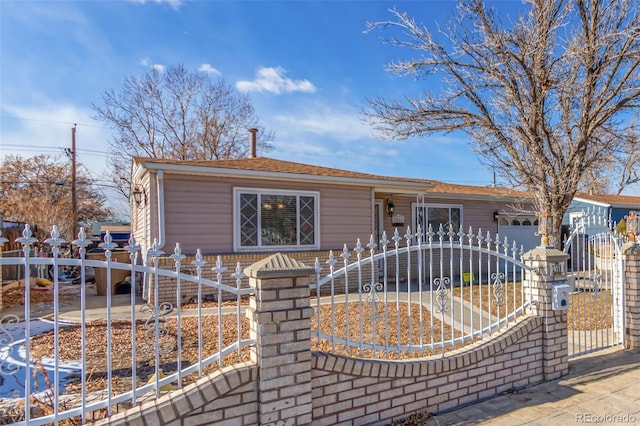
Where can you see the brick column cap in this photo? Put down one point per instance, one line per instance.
(278, 266)
(549, 254)
(631, 248)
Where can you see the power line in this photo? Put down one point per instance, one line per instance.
(40, 147)
(14, 117)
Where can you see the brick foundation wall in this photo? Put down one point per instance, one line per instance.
(167, 286)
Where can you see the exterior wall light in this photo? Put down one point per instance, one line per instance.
(139, 195)
(390, 207)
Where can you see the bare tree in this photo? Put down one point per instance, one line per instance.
(543, 97)
(619, 171)
(176, 114)
(37, 191)
(627, 161)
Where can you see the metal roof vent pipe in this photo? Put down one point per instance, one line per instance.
(253, 142)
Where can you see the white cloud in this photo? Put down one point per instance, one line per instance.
(274, 80)
(175, 4)
(158, 67)
(332, 122)
(331, 135)
(206, 68)
(146, 62)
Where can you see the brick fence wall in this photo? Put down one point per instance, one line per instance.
(632, 296)
(287, 383)
(355, 391)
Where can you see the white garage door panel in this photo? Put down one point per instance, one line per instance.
(524, 236)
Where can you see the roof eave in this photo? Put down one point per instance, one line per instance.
(587, 200)
(378, 184)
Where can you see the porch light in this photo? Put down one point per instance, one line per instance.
(390, 207)
(139, 195)
(632, 225)
(496, 216)
(545, 227)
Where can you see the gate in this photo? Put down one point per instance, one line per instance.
(595, 274)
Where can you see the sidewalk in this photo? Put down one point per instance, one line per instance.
(601, 388)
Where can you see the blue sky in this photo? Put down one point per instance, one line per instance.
(308, 67)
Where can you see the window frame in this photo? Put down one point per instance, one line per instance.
(259, 192)
(414, 219)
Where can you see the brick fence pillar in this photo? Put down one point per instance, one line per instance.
(632, 295)
(279, 315)
(548, 270)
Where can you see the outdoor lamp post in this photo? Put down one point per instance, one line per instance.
(632, 225)
(545, 227)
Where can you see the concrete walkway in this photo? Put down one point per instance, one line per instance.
(601, 388)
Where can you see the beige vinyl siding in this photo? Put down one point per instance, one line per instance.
(345, 215)
(479, 215)
(475, 213)
(146, 213)
(199, 212)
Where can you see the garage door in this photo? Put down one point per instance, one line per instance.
(521, 229)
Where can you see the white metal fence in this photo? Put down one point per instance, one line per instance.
(53, 370)
(418, 294)
(595, 274)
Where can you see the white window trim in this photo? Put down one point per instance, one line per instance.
(575, 217)
(414, 218)
(259, 191)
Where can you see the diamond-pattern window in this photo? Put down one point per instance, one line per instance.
(277, 219)
(248, 220)
(307, 220)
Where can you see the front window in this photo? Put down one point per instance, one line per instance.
(436, 215)
(276, 219)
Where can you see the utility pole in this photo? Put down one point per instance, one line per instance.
(74, 195)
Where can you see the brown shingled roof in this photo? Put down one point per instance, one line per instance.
(265, 164)
(625, 200)
(449, 188)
